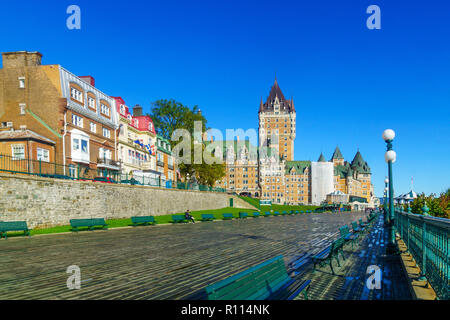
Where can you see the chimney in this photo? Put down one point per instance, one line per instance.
(137, 111)
(21, 59)
(237, 138)
(88, 79)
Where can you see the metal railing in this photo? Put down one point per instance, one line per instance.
(55, 170)
(427, 239)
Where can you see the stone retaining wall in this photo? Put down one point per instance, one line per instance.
(46, 202)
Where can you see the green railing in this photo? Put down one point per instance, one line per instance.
(427, 239)
(55, 170)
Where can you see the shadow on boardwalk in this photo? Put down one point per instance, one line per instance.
(349, 282)
(175, 262)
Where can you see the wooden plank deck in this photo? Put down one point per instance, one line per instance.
(171, 262)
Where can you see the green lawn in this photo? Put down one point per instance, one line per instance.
(165, 219)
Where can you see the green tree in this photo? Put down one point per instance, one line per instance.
(170, 115)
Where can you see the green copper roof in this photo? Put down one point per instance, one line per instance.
(298, 166)
(337, 154)
(322, 158)
(359, 165)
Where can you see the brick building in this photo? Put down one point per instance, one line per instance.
(51, 102)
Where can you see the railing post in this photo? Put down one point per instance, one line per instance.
(423, 269)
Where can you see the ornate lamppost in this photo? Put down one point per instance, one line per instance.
(390, 157)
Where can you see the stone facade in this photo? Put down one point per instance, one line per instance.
(50, 202)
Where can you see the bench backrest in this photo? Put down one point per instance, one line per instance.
(257, 282)
(80, 222)
(344, 231)
(243, 214)
(337, 245)
(227, 215)
(98, 222)
(13, 226)
(267, 213)
(276, 213)
(354, 225)
(178, 217)
(255, 214)
(207, 216)
(143, 219)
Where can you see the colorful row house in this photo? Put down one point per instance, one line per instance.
(56, 123)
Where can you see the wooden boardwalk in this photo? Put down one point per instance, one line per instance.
(175, 262)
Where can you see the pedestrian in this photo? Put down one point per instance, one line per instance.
(188, 216)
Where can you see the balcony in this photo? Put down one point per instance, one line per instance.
(108, 163)
(160, 163)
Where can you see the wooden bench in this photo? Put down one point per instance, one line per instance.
(6, 226)
(347, 235)
(227, 216)
(143, 220)
(266, 281)
(243, 215)
(328, 254)
(207, 217)
(88, 223)
(179, 218)
(255, 214)
(267, 214)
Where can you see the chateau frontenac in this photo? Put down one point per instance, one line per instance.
(269, 171)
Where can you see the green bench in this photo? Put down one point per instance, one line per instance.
(88, 223)
(143, 220)
(267, 214)
(6, 226)
(227, 216)
(328, 254)
(179, 218)
(255, 214)
(207, 217)
(347, 235)
(355, 228)
(266, 281)
(243, 215)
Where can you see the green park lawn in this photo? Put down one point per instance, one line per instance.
(165, 219)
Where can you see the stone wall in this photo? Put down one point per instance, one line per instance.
(46, 202)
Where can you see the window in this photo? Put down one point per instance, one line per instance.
(76, 94)
(22, 107)
(170, 161)
(104, 109)
(91, 102)
(93, 127)
(76, 120)
(122, 109)
(21, 82)
(18, 151)
(150, 126)
(106, 133)
(43, 154)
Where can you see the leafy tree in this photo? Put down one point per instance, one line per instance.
(169, 115)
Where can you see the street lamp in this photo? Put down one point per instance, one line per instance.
(386, 214)
(390, 157)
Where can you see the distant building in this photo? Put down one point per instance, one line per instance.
(272, 173)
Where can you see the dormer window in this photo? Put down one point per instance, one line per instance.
(122, 109)
(136, 122)
(76, 94)
(104, 109)
(150, 126)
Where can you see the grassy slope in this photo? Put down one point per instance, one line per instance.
(165, 219)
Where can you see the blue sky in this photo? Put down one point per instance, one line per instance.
(349, 83)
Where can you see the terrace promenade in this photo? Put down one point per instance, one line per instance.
(177, 262)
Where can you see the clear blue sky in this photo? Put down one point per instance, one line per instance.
(348, 83)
